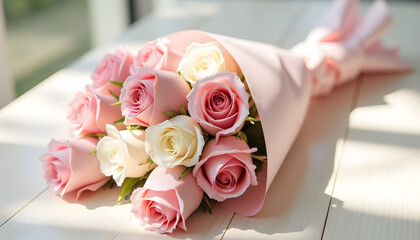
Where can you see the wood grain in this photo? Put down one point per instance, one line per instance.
(298, 200)
(377, 191)
(351, 174)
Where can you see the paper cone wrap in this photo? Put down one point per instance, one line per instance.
(343, 45)
(282, 82)
(280, 85)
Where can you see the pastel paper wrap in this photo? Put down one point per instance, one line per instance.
(280, 85)
(342, 46)
(282, 82)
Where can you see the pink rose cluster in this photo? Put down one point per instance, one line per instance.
(69, 167)
(183, 109)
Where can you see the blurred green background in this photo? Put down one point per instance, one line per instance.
(44, 36)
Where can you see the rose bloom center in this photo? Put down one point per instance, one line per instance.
(225, 179)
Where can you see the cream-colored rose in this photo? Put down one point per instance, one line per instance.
(122, 153)
(177, 141)
(201, 60)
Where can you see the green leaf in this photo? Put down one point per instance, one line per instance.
(255, 135)
(171, 114)
(252, 120)
(189, 84)
(116, 103)
(252, 109)
(130, 184)
(148, 161)
(259, 158)
(205, 203)
(243, 79)
(117, 83)
(241, 135)
(128, 187)
(182, 110)
(95, 135)
(185, 172)
(120, 121)
(145, 176)
(131, 127)
(113, 94)
(206, 136)
(93, 152)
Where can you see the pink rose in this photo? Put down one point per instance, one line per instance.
(68, 167)
(90, 112)
(225, 169)
(165, 201)
(113, 67)
(153, 55)
(148, 93)
(219, 103)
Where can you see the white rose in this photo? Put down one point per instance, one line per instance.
(122, 153)
(201, 60)
(177, 141)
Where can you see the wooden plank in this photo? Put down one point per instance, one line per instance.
(95, 216)
(377, 192)
(297, 202)
(21, 181)
(26, 126)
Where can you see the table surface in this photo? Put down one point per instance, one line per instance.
(352, 173)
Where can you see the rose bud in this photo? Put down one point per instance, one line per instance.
(155, 55)
(165, 201)
(122, 154)
(177, 141)
(148, 93)
(69, 167)
(225, 169)
(113, 67)
(219, 103)
(90, 112)
(201, 60)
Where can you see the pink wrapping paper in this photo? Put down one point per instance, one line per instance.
(343, 45)
(281, 82)
(280, 85)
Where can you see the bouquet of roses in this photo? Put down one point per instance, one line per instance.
(198, 116)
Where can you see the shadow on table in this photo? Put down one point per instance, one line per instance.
(29, 230)
(300, 195)
(103, 197)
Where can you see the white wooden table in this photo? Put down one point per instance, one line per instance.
(353, 172)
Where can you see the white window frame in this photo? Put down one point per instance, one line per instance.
(109, 19)
(7, 89)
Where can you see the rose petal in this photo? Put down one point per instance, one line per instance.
(227, 158)
(219, 103)
(162, 207)
(113, 67)
(68, 167)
